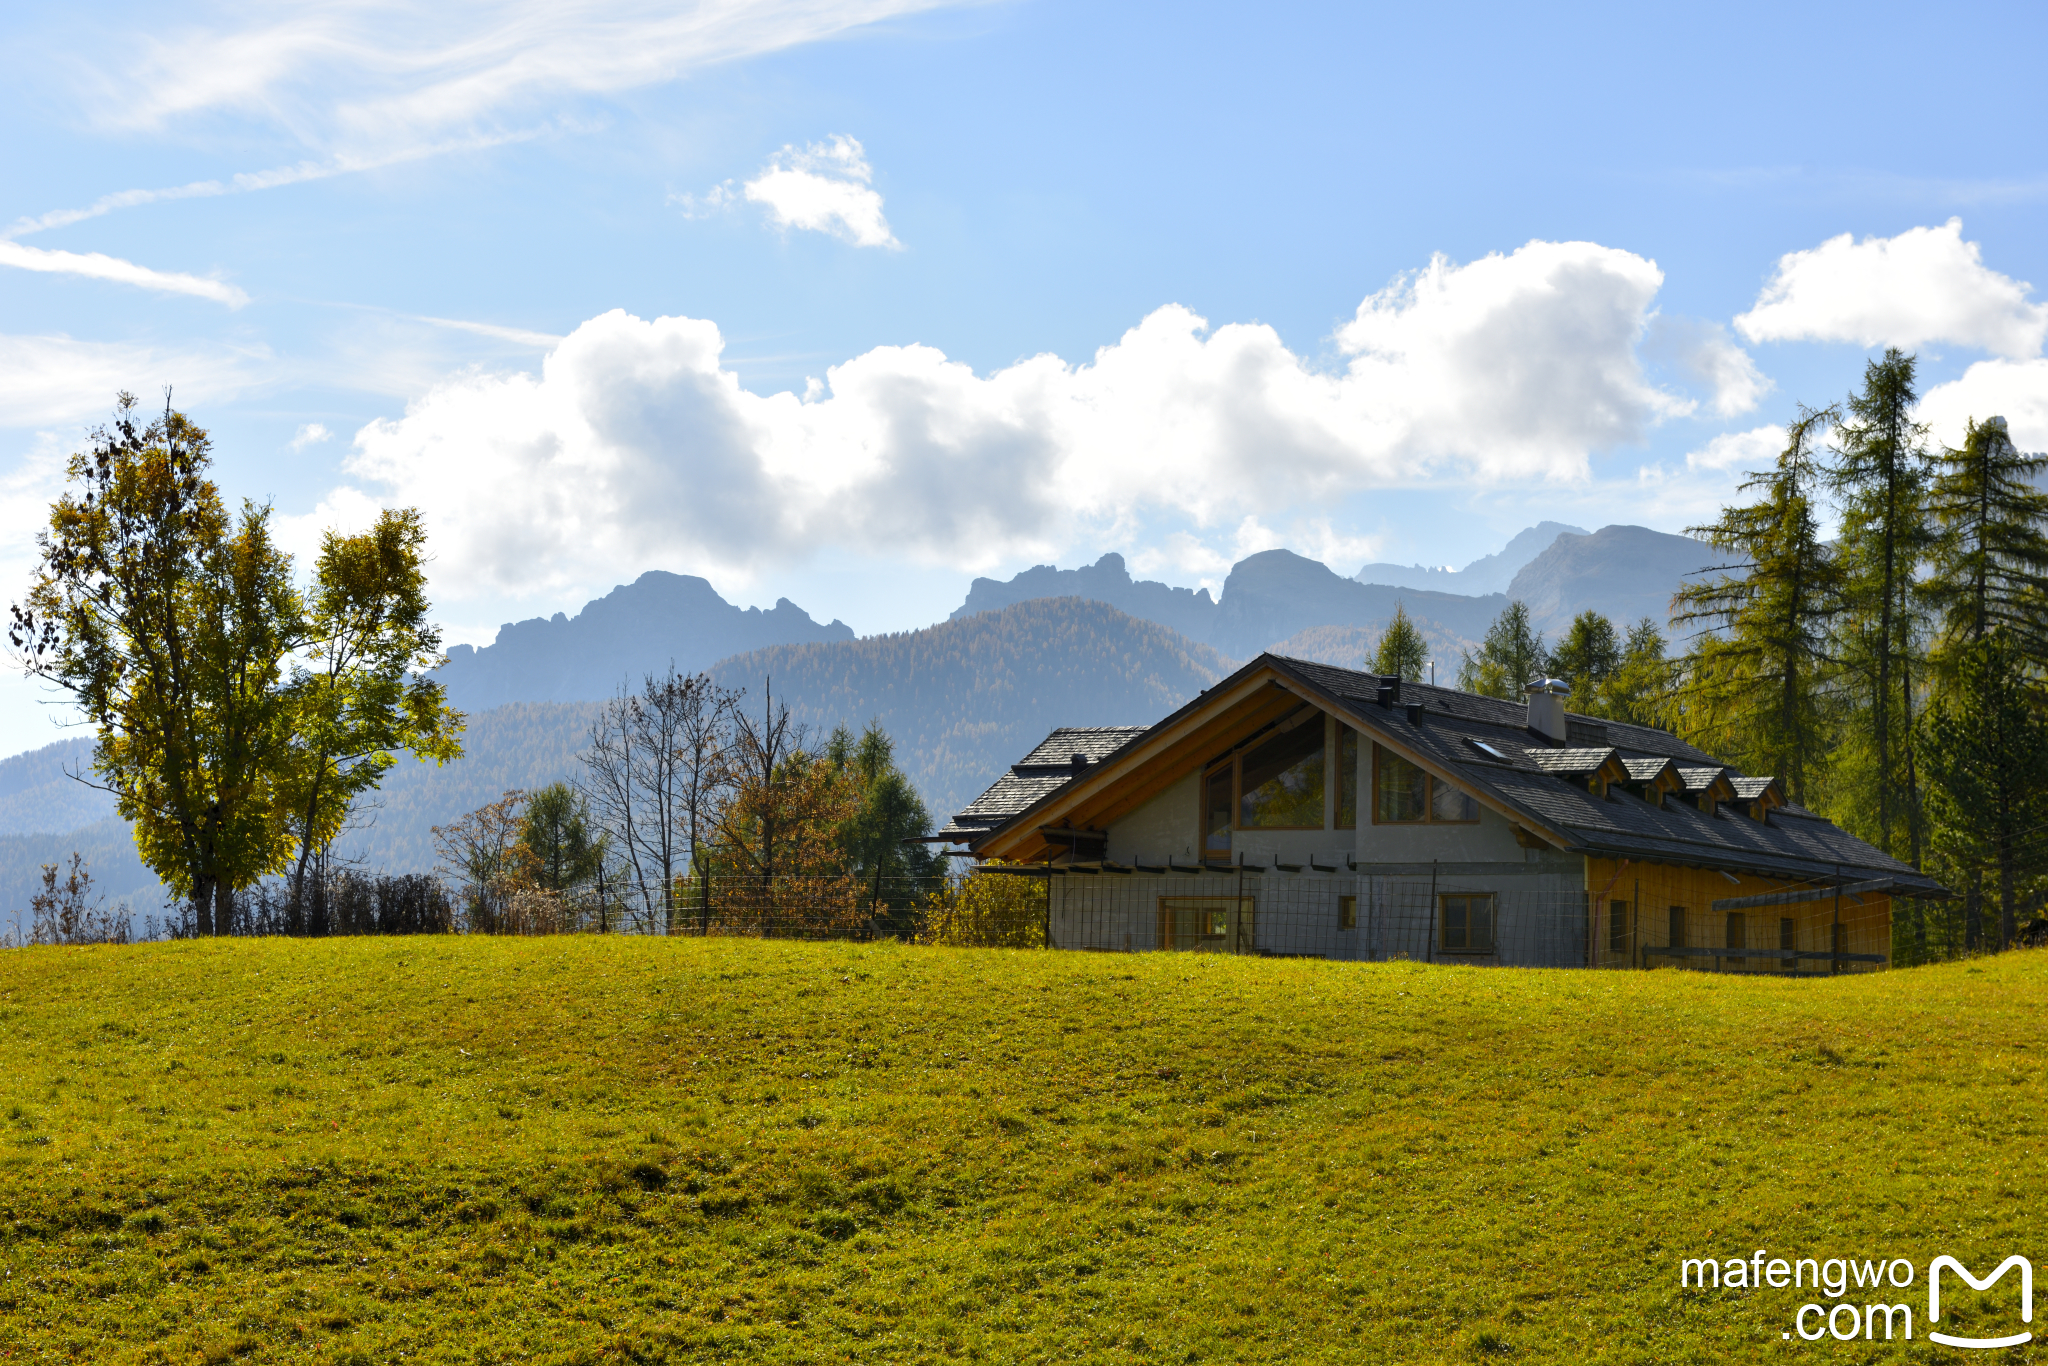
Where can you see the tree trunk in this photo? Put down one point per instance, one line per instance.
(1973, 912)
(2008, 921)
(202, 907)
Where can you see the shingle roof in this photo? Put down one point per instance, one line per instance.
(1526, 776)
(1044, 771)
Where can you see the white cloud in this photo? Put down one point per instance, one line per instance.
(824, 188)
(97, 267)
(636, 447)
(310, 434)
(366, 73)
(54, 379)
(1925, 285)
(1743, 452)
(1704, 353)
(2016, 390)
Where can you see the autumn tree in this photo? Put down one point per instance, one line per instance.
(1587, 657)
(360, 691)
(482, 854)
(169, 623)
(880, 838)
(1401, 653)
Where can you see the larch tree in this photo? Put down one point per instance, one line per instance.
(1880, 475)
(1401, 652)
(1986, 747)
(1511, 655)
(1753, 683)
(879, 837)
(1587, 658)
(1988, 566)
(170, 623)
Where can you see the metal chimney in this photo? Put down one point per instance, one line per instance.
(1546, 707)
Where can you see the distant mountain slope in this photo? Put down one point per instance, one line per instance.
(965, 698)
(1188, 611)
(1624, 572)
(1488, 574)
(38, 795)
(1272, 595)
(108, 847)
(634, 630)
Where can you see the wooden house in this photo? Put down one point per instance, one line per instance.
(1300, 809)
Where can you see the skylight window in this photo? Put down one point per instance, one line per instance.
(1481, 744)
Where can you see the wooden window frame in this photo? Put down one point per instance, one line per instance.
(1235, 763)
(1429, 816)
(1493, 916)
(1347, 912)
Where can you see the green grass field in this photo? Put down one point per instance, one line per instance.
(469, 1150)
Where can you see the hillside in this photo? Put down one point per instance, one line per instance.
(968, 697)
(642, 1150)
(632, 631)
(38, 794)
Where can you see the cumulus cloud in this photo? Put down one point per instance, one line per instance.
(1743, 452)
(824, 188)
(1925, 285)
(95, 266)
(310, 434)
(636, 446)
(1705, 354)
(2016, 390)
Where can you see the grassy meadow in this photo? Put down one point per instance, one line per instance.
(634, 1150)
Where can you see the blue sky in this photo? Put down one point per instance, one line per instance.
(848, 302)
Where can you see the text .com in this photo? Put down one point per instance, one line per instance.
(1865, 1294)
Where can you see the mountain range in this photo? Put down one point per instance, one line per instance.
(1050, 646)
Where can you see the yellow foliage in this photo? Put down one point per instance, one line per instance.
(986, 910)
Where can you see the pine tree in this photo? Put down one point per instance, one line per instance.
(1989, 564)
(1986, 748)
(1510, 656)
(1752, 686)
(1402, 653)
(1587, 658)
(1880, 473)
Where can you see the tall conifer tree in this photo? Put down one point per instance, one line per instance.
(1880, 474)
(1989, 563)
(1753, 685)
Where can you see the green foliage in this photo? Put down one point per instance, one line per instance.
(1402, 652)
(362, 692)
(1510, 656)
(986, 911)
(1988, 566)
(1754, 686)
(555, 830)
(1986, 748)
(584, 1149)
(169, 624)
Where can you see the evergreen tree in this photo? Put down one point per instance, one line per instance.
(1509, 657)
(885, 813)
(1753, 685)
(1402, 653)
(1989, 563)
(1880, 475)
(567, 850)
(1587, 658)
(1635, 690)
(1986, 748)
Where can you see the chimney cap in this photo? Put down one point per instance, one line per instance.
(1555, 687)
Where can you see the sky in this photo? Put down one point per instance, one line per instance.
(850, 301)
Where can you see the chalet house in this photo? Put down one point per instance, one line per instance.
(1300, 809)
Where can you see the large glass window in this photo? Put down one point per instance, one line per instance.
(1347, 778)
(1404, 795)
(1468, 923)
(1216, 814)
(1282, 782)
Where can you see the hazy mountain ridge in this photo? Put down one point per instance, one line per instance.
(965, 698)
(636, 629)
(1487, 574)
(38, 795)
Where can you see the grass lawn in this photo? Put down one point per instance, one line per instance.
(472, 1150)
